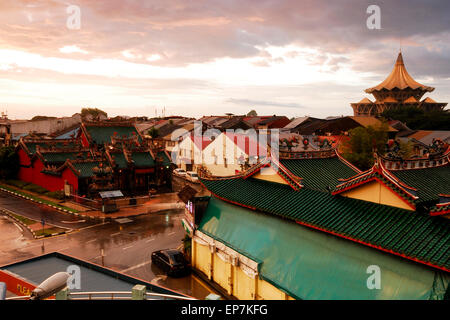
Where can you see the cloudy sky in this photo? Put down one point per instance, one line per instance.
(203, 57)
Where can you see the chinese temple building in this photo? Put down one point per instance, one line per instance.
(309, 225)
(397, 90)
(103, 156)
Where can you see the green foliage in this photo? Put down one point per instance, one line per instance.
(16, 183)
(252, 113)
(35, 188)
(9, 163)
(38, 118)
(406, 149)
(153, 132)
(94, 112)
(363, 143)
(58, 195)
(417, 119)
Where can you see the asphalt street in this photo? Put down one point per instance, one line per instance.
(38, 212)
(123, 245)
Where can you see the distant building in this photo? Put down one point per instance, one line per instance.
(399, 89)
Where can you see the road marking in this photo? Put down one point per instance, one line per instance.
(150, 240)
(18, 227)
(136, 266)
(78, 221)
(169, 234)
(123, 220)
(115, 234)
(128, 247)
(90, 241)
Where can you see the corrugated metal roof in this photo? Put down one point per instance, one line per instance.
(295, 122)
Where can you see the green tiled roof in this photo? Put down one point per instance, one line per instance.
(58, 157)
(315, 265)
(430, 182)
(120, 161)
(403, 232)
(318, 174)
(100, 135)
(85, 168)
(166, 160)
(142, 159)
(32, 145)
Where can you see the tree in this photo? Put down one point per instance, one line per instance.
(9, 163)
(93, 112)
(363, 143)
(417, 119)
(252, 113)
(39, 118)
(153, 132)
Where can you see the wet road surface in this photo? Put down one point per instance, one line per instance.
(37, 212)
(126, 245)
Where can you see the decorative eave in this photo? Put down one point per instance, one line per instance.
(418, 163)
(379, 173)
(443, 207)
(292, 180)
(347, 162)
(23, 145)
(58, 171)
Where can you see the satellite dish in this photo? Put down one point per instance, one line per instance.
(49, 287)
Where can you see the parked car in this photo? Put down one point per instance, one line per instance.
(171, 261)
(179, 172)
(192, 176)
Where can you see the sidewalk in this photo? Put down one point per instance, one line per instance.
(160, 202)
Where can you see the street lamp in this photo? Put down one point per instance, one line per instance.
(50, 286)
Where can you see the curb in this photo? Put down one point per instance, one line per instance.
(10, 214)
(49, 205)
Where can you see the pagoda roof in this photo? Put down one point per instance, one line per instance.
(390, 99)
(429, 100)
(399, 78)
(410, 100)
(365, 101)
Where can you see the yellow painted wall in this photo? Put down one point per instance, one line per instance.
(269, 174)
(376, 192)
(243, 285)
(202, 258)
(221, 273)
(266, 291)
(232, 279)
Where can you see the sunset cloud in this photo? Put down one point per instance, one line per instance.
(234, 49)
